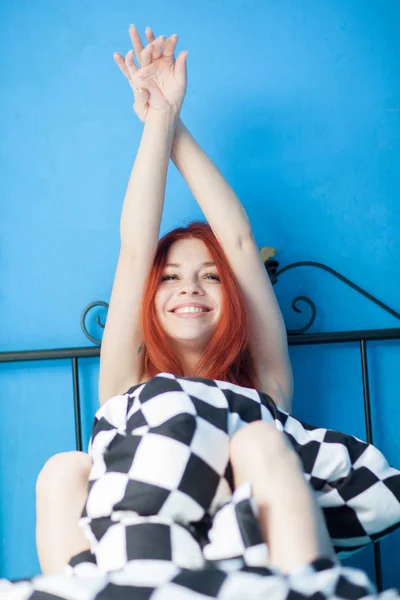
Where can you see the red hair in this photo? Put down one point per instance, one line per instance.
(227, 356)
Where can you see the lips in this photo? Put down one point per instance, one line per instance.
(198, 314)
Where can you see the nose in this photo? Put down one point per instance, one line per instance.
(191, 287)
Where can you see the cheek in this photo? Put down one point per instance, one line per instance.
(160, 300)
(218, 297)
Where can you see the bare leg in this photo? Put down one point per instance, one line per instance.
(291, 520)
(61, 491)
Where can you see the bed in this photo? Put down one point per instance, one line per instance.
(297, 338)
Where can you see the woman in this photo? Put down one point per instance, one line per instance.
(217, 271)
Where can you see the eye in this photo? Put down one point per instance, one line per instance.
(166, 277)
(213, 275)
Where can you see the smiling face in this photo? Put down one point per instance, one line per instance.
(190, 282)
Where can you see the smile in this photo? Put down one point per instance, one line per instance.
(191, 315)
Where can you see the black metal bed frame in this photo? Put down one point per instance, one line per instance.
(295, 338)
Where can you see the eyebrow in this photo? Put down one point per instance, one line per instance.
(204, 264)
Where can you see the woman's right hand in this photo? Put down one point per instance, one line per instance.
(161, 79)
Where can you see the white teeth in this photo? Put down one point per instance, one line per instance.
(190, 309)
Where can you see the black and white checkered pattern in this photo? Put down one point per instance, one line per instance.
(164, 521)
(323, 579)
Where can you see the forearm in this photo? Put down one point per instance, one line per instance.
(219, 203)
(144, 199)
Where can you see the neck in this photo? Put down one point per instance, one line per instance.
(189, 357)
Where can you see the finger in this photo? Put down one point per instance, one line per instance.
(120, 60)
(136, 41)
(180, 71)
(146, 55)
(149, 35)
(130, 65)
(170, 45)
(132, 72)
(157, 47)
(124, 65)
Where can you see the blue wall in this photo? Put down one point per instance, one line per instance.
(298, 104)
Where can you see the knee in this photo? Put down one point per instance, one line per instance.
(258, 438)
(63, 466)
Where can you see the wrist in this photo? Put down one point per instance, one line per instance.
(170, 116)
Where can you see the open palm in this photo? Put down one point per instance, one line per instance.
(162, 79)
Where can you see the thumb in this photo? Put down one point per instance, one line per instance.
(181, 68)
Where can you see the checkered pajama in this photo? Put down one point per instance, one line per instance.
(163, 519)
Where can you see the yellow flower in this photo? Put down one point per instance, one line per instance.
(267, 252)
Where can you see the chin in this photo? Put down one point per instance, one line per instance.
(190, 338)
(204, 337)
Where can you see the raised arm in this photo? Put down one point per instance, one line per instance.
(144, 198)
(218, 201)
(142, 210)
(229, 222)
(121, 360)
